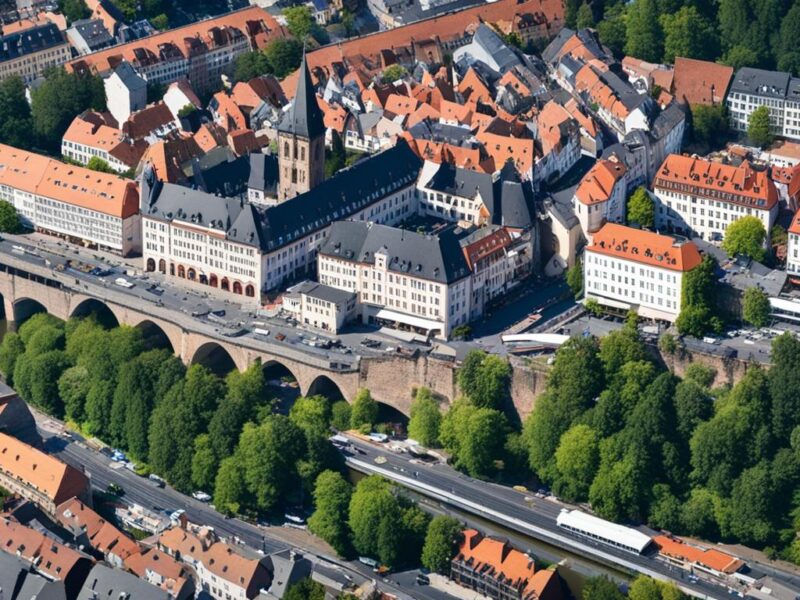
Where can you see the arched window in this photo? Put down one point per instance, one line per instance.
(249, 291)
(237, 287)
(286, 149)
(181, 272)
(151, 264)
(225, 285)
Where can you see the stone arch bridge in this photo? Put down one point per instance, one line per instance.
(28, 288)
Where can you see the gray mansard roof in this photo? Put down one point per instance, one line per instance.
(435, 258)
(263, 173)
(759, 82)
(510, 201)
(270, 228)
(104, 582)
(28, 41)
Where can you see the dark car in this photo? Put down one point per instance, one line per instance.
(423, 579)
(115, 489)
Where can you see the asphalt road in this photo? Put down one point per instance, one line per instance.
(144, 492)
(538, 512)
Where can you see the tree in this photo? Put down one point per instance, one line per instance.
(571, 8)
(484, 379)
(335, 159)
(644, 588)
(160, 22)
(758, 127)
(441, 543)
(98, 164)
(697, 289)
(364, 411)
(393, 72)
(11, 349)
(474, 437)
(577, 460)
(340, 415)
(751, 510)
(74, 10)
(299, 21)
(45, 370)
(745, 237)
(250, 65)
(204, 463)
(641, 208)
(73, 387)
(284, 56)
(305, 589)
(575, 278)
(229, 487)
(58, 99)
(740, 56)
(15, 114)
(756, 308)
(268, 453)
(600, 587)
(689, 34)
(784, 385)
(425, 418)
(644, 38)
(585, 17)
(9, 218)
(371, 502)
(709, 123)
(331, 505)
(612, 29)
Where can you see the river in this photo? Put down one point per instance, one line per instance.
(574, 570)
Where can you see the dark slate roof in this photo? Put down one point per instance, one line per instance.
(554, 47)
(104, 582)
(263, 173)
(322, 292)
(773, 84)
(129, 76)
(93, 32)
(304, 118)
(625, 92)
(227, 177)
(435, 258)
(31, 40)
(509, 200)
(491, 43)
(667, 119)
(449, 179)
(270, 228)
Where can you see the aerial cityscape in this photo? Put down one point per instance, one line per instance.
(399, 299)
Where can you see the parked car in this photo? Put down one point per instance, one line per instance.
(156, 479)
(201, 496)
(115, 489)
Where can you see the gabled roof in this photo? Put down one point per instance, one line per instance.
(707, 557)
(700, 81)
(304, 118)
(598, 184)
(104, 582)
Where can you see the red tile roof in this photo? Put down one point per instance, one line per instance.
(646, 247)
(700, 81)
(740, 185)
(598, 184)
(707, 557)
(53, 559)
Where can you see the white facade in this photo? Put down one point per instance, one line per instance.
(125, 95)
(653, 292)
(559, 161)
(449, 206)
(83, 153)
(793, 248)
(191, 251)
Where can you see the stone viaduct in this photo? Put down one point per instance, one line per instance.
(28, 288)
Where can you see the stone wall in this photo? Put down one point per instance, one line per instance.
(729, 370)
(393, 379)
(527, 384)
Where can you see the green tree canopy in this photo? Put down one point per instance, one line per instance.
(644, 37)
(74, 10)
(331, 506)
(577, 460)
(745, 237)
(485, 379)
(758, 127)
(575, 279)
(284, 56)
(364, 411)
(441, 543)
(756, 307)
(425, 418)
(393, 72)
(641, 208)
(600, 587)
(15, 114)
(689, 34)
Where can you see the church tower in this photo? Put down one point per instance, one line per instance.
(301, 141)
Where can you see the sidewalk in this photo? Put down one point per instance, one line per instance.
(443, 584)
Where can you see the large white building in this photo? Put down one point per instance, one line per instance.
(778, 91)
(701, 198)
(30, 52)
(631, 269)
(793, 250)
(402, 278)
(244, 248)
(84, 206)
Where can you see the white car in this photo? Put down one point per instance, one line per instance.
(201, 496)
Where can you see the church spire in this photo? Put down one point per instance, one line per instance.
(304, 118)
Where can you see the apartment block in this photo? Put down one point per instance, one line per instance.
(777, 90)
(28, 53)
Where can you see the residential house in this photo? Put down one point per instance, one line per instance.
(30, 52)
(88, 136)
(600, 197)
(163, 571)
(105, 582)
(778, 91)
(700, 81)
(126, 92)
(89, 35)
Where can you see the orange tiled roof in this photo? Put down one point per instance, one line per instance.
(584, 120)
(588, 80)
(401, 105)
(741, 185)
(143, 122)
(333, 115)
(243, 141)
(110, 540)
(424, 111)
(75, 515)
(598, 184)
(553, 120)
(499, 560)
(167, 156)
(708, 557)
(54, 560)
(503, 148)
(101, 136)
(209, 136)
(219, 558)
(486, 246)
(795, 226)
(253, 22)
(645, 247)
(53, 478)
(229, 115)
(172, 572)
(452, 111)
(700, 81)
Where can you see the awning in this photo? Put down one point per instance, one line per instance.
(411, 320)
(612, 303)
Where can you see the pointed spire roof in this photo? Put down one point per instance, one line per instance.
(304, 118)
